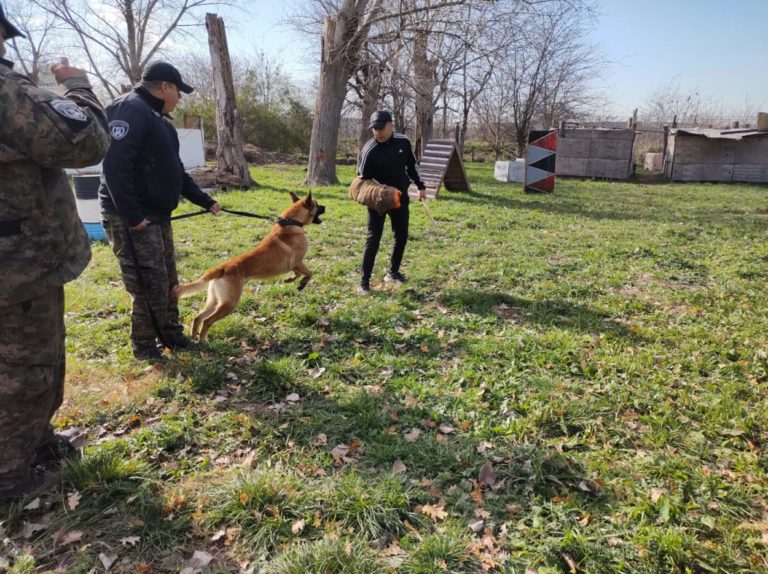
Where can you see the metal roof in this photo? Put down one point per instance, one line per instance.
(730, 134)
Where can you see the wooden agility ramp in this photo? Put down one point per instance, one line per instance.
(441, 165)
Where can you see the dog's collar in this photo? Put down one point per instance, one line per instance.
(285, 222)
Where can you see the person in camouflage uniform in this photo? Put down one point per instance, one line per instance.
(42, 246)
(142, 182)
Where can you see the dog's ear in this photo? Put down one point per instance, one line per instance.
(308, 200)
(294, 197)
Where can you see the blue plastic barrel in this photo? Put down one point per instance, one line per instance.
(86, 195)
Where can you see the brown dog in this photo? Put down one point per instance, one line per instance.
(281, 251)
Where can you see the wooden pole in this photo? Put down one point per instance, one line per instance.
(229, 152)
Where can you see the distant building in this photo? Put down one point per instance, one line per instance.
(728, 155)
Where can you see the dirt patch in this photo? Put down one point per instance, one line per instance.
(256, 156)
(208, 178)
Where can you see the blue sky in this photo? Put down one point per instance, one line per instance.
(716, 47)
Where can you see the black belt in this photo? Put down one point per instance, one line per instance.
(11, 227)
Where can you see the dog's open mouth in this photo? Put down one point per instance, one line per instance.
(318, 213)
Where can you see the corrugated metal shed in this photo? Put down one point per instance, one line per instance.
(732, 155)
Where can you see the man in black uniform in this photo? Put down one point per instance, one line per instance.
(142, 181)
(387, 158)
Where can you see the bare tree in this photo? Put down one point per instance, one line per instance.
(671, 102)
(491, 114)
(119, 37)
(366, 84)
(346, 26)
(539, 75)
(342, 39)
(37, 25)
(548, 67)
(487, 35)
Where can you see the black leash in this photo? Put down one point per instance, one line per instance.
(279, 220)
(232, 211)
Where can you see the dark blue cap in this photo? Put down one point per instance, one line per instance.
(11, 31)
(379, 119)
(164, 72)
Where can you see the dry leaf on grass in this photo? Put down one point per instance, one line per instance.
(200, 559)
(298, 526)
(219, 535)
(30, 528)
(434, 511)
(320, 440)
(445, 428)
(477, 494)
(393, 549)
(73, 500)
(34, 505)
(412, 435)
(476, 526)
(487, 475)
(316, 372)
(130, 540)
(71, 537)
(107, 560)
(399, 467)
(339, 454)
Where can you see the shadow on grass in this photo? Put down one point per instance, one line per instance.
(544, 312)
(372, 428)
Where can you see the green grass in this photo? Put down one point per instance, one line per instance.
(605, 348)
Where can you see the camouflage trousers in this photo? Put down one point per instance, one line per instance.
(31, 381)
(157, 265)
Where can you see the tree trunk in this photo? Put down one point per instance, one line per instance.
(342, 41)
(425, 78)
(328, 103)
(372, 76)
(229, 152)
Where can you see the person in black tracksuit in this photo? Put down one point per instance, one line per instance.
(387, 158)
(142, 182)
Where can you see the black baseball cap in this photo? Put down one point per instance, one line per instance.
(11, 31)
(164, 72)
(379, 119)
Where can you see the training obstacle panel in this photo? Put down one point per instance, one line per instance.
(441, 164)
(540, 162)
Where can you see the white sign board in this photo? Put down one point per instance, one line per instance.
(191, 148)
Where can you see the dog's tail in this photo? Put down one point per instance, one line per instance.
(187, 289)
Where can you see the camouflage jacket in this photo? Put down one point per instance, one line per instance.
(42, 242)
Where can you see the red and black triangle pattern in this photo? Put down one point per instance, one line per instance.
(540, 163)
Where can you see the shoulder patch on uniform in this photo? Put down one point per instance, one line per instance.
(118, 129)
(69, 110)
